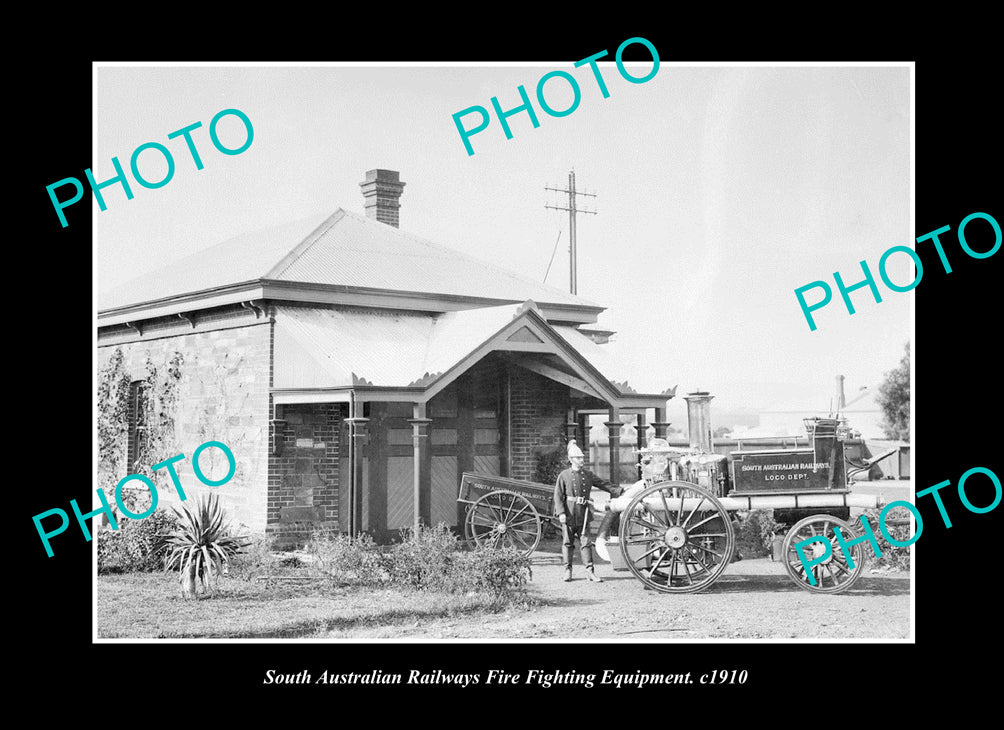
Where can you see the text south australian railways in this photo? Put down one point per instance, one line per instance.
(540, 677)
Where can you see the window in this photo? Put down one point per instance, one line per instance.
(136, 414)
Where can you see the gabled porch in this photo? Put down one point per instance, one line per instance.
(420, 400)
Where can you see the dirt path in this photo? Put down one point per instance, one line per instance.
(754, 599)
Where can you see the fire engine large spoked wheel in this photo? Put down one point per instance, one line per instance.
(676, 537)
(833, 573)
(504, 519)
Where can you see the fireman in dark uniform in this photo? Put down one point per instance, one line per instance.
(572, 507)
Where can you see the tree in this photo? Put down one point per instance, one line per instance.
(894, 399)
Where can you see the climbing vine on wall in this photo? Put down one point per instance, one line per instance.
(160, 409)
(113, 423)
(157, 440)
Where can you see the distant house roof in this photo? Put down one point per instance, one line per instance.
(862, 412)
(342, 258)
(863, 401)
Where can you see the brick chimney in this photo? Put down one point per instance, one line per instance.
(381, 189)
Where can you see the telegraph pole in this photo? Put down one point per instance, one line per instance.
(572, 210)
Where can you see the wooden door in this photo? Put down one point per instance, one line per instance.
(464, 436)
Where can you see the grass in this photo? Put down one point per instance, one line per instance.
(150, 606)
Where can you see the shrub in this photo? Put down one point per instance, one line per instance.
(755, 536)
(201, 545)
(430, 559)
(893, 557)
(257, 559)
(137, 546)
(352, 562)
(549, 465)
(500, 572)
(423, 558)
(627, 474)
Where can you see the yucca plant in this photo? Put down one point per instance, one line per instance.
(201, 546)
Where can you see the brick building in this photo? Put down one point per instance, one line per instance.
(351, 366)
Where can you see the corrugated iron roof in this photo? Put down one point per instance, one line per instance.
(319, 347)
(342, 250)
(243, 258)
(599, 355)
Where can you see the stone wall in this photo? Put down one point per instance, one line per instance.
(222, 396)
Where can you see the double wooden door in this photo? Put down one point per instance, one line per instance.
(466, 434)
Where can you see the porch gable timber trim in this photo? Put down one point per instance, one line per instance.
(557, 375)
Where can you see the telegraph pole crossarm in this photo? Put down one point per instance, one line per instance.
(572, 211)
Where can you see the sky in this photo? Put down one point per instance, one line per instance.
(719, 190)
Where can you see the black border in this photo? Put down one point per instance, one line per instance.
(956, 388)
